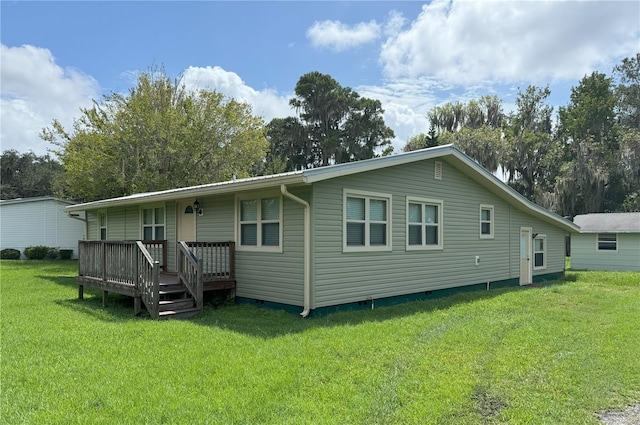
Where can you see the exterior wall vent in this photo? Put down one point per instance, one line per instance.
(437, 172)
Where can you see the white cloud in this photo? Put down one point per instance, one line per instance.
(394, 23)
(337, 36)
(266, 103)
(34, 91)
(405, 103)
(464, 42)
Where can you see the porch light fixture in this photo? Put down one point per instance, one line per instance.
(196, 207)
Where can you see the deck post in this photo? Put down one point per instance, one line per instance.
(105, 294)
(80, 292)
(232, 260)
(156, 288)
(199, 284)
(104, 260)
(136, 305)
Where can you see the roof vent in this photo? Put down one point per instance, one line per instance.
(437, 173)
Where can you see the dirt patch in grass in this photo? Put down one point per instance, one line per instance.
(628, 416)
(488, 405)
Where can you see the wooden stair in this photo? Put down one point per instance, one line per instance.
(175, 300)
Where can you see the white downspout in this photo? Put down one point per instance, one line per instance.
(307, 248)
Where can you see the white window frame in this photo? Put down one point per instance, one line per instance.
(610, 242)
(259, 222)
(367, 196)
(424, 246)
(491, 222)
(103, 213)
(544, 252)
(153, 225)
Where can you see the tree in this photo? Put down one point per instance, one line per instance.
(473, 127)
(484, 144)
(529, 140)
(160, 136)
(422, 141)
(334, 125)
(27, 175)
(587, 131)
(627, 75)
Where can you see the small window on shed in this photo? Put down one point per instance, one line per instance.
(607, 242)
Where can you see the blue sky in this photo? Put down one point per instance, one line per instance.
(58, 56)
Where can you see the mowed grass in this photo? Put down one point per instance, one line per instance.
(550, 355)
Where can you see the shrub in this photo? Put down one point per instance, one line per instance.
(10, 254)
(36, 252)
(52, 254)
(66, 254)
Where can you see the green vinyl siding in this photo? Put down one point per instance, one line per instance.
(92, 226)
(216, 224)
(268, 276)
(586, 256)
(341, 277)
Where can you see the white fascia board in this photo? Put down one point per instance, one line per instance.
(324, 173)
(509, 194)
(254, 183)
(592, 231)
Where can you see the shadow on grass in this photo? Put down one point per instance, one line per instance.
(271, 323)
(119, 308)
(68, 281)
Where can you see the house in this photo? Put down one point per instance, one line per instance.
(39, 221)
(362, 233)
(607, 241)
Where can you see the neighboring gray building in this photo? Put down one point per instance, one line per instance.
(39, 221)
(607, 241)
(380, 230)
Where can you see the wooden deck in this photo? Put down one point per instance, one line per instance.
(128, 268)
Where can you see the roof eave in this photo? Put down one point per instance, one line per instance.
(190, 192)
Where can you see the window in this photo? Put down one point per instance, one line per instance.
(539, 252)
(424, 224)
(607, 242)
(366, 221)
(102, 225)
(486, 221)
(259, 223)
(153, 224)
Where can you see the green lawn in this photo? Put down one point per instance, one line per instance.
(549, 355)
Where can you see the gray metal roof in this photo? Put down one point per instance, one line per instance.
(609, 222)
(35, 199)
(449, 153)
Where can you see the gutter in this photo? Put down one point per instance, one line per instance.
(86, 222)
(307, 248)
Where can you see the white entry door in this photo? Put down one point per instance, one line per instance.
(525, 256)
(186, 222)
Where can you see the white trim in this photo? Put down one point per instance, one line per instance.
(258, 197)
(544, 252)
(367, 196)
(153, 225)
(491, 222)
(106, 224)
(598, 242)
(425, 201)
(529, 277)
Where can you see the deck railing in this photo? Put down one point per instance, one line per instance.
(125, 264)
(217, 258)
(190, 272)
(148, 276)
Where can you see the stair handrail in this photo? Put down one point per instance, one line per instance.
(190, 272)
(148, 280)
